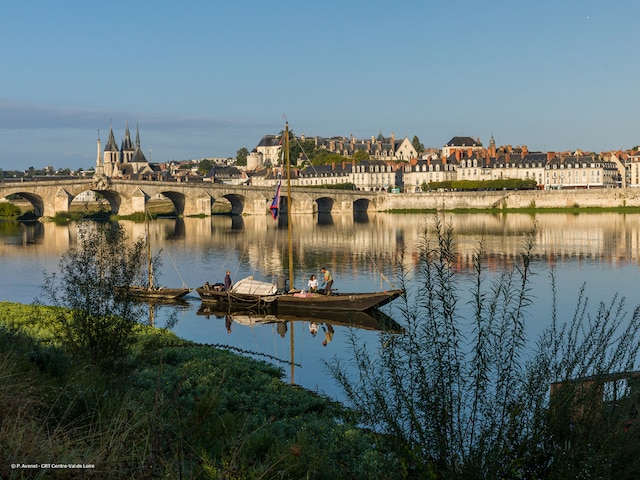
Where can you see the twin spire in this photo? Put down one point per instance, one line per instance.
(128, 159)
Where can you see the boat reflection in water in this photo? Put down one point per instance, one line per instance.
(370, 320)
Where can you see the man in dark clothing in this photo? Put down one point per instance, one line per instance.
(227, 281)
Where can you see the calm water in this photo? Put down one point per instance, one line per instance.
(602, 250)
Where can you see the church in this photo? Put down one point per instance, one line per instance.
(127, 162)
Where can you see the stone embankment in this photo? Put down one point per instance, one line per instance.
(506, 199)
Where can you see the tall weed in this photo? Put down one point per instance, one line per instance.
(464, 395)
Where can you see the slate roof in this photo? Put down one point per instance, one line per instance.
(326, 170)
(463, 142)
(224, 172)
(269, 141)
(127, 144)
(111, 143)
(138, 156)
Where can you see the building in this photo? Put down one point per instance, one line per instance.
(128, 161)
(580, 171)
(468, 145)
(423, 171)
(267, 152)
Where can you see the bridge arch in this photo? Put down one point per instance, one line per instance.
(236, 200)
(176, 198)
(112, 197)
(35, 200)
(325, 204)
(361, 205)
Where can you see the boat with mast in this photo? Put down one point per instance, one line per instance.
(269, 296)
(152, 292)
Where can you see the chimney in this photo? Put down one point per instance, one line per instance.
(550, 155)
(458, 155)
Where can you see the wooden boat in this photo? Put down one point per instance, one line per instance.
(335, 302)
(155, 293)
(263, 296)
(151, 291)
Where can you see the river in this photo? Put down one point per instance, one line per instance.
(601, 249)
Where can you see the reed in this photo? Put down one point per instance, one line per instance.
(464, 395)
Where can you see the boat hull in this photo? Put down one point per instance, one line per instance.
(154, 293)
(344, 302)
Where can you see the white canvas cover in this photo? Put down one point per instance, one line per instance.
(249, 286)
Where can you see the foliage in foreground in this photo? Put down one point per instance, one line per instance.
(180, 411)
(463, 396)
(96, 322)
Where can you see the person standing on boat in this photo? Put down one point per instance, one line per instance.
(313, 284)
(328, 281)
(227, 281)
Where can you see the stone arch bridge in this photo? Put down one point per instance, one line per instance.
(127, 197)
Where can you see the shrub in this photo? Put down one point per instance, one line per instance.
(8, 209)
(460, 395)
(94, 322)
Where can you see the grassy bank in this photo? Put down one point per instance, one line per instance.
(168, 409)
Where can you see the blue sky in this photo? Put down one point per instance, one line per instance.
(206, 78)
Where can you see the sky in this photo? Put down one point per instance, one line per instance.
(206, 78)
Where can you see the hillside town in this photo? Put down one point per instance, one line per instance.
(377, 163)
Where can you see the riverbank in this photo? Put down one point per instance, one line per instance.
(512, 200)
(170, 409)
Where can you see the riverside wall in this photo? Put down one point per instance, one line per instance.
(585, 198)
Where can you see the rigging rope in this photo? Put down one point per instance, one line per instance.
(325, 186)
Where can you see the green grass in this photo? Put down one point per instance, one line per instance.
(169, 409)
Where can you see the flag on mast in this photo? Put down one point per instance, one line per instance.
(275, 205)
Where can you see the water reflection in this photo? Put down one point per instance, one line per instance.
(374, 320)
(355, 248)
(363, 252)
(325, 219)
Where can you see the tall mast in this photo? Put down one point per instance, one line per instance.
(149, 264)
(290, 239)
(289, 234)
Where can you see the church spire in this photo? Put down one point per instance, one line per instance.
(99, 165)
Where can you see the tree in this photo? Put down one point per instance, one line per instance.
(241, 157)
(204, 166)
(359, 156)
(93, 322)
(325, 157)
(417, 145)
